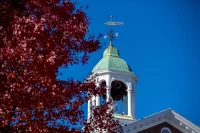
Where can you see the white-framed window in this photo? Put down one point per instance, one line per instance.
(165, 130)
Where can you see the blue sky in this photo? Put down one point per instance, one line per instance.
(160, 41)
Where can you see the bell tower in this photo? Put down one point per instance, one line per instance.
(114, 73)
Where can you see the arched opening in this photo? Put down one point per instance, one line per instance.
(118, 90)
(119, 95)
(102, 98)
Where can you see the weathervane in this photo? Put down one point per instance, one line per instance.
(111, 35)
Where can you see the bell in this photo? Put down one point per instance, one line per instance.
(118, 85)
(118, 90)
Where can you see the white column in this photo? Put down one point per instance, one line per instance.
(129, 103)
(133, 101)
(124, 104)
(97, 100)
(108, 88)
(114, 106)
(93, 101)
(89, 108)
(133, 105)
(107, 94)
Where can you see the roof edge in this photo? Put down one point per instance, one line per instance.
(185, 121)
(168, 116)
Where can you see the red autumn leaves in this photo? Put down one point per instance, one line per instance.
(36, 38)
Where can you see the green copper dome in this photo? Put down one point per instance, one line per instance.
(111, 60)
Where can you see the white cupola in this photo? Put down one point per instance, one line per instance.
(114, 73)
(117, 75)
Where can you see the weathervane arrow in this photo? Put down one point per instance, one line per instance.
(114, 23)
(111, 35)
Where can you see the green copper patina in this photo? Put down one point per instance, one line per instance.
(111, 60)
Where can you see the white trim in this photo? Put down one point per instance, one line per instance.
(168, 116)
(142, 126)
(177, 126)
(185, 121)
(111, 71)
(147, 122)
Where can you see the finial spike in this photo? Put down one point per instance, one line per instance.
(111, 17)
(110, 43)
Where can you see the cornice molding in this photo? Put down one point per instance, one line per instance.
(117, 72)
(184, 121)
(168, 116)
